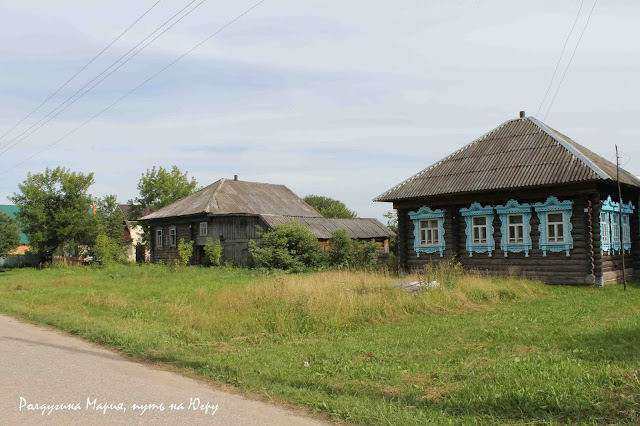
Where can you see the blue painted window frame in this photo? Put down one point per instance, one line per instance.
(426, 213)
(553, 205)
(476, 210)
(512, 207)
(612, 211)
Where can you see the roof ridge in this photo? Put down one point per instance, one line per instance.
(445, 158)
(569, 147)
(214, 195)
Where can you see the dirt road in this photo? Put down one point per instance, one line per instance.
(75, 382)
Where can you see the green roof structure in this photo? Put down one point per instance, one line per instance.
(11, 211)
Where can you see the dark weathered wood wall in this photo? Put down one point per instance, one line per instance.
(234, 232)
(585, 265)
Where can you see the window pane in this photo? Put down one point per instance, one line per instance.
(560, 230)
(512, 232)
(480, 220)
(552, 232)
(554, 217)
(517, 219)
(434, 239)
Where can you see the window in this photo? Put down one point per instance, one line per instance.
(515, 228)
(428, 231)
(555, 225)
(479, 230)
(159, 237)
(615, 230)
(604, 228)
(610, 226)
(204, 229)
(555, 228)
(626, 229)
(172, 237)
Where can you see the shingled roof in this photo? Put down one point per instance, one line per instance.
(322, 227)
(228, 196)
(519, 153)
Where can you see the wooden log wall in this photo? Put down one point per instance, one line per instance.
(556, 268)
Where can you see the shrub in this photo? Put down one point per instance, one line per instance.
(347, 253)
(185, 250)
(106, 249)
(288, 246)
(212, 252)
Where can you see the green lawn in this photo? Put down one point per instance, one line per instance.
(498, 351)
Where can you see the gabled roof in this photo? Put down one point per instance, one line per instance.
(238, 197)
(322, 227)
(126, 211)
(519, 153)
(11, 211)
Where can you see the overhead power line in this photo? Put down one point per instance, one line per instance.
(570, 60)
(81, 69)
(218, 31)
(555, 71)
(73, 99)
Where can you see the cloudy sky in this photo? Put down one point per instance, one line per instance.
(339, 98)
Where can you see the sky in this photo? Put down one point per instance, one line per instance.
(335, 98)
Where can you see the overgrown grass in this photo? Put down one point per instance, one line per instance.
(476, 350)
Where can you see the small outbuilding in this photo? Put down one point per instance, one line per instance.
(522, 199)
(234, 212)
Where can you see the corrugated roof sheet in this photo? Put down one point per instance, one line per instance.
(322, 227)
(519, 153)
(11, 211)
(238, 197)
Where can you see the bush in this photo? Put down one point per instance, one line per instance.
(185, 249)
(347, 253)
(212, 252)
(288, 246)
(106, 249)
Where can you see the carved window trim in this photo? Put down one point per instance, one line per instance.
(611, 209)
(511, 208)
(425, 213)
(476, 210)
(550, 206)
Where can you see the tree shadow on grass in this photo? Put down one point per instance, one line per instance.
(610, 344)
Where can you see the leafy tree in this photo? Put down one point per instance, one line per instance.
(159, 188)
(288, 246)
(106, 249)
(392, 223)
(212, 252)
(328, 207)
(9, 236)
(345, 252)
(185, 250)
(111, 220)
(54, 210)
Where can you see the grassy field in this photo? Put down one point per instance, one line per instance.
(474, 351)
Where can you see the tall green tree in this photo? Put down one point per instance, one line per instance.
(9, 236)
(55, 210)
(111, 219)
(328, 207)
(161, 187)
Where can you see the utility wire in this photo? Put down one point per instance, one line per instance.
(81, 69)
(219, 30)
(570, 60)
(18, 138)
(555, 71)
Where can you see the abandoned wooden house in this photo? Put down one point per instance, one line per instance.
(521, 199)
(235, 212)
